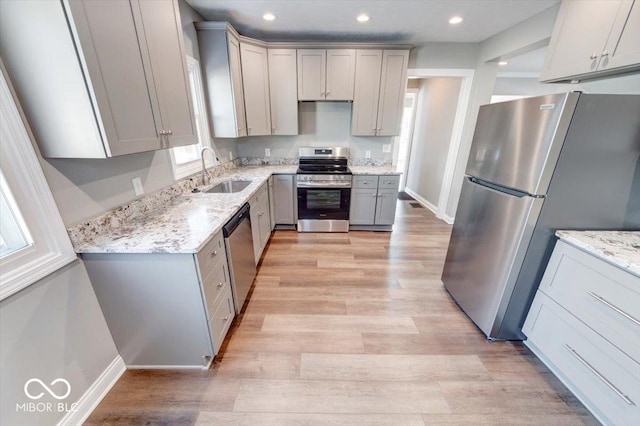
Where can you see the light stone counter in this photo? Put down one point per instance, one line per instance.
(173, 220)
(176, 220)
(374, 170)
(621, 248)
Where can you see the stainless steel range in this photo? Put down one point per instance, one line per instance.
(324, 190)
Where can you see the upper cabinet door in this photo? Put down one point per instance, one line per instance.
(236, 83)
(367, 89)
(623, 46)
(393, 84)
(283, 91)
(341, 68)
(255, 79)
(311, 74)
(579, 38)
(163, 35)
(129, 113)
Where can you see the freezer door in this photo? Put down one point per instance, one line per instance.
(489, 240)
(516, 144)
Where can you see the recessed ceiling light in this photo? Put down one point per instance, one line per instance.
(363, 18)
(268, 16)
(455, 20)
(503, 63)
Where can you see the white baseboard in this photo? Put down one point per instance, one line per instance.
(423, 201)
(448, 219)
(92, 397)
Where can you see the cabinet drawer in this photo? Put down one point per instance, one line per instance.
(215, 284)
(389, 182)
(604, 297)
(211, 255)
(221, 320)
(365, 181)
(600, 375)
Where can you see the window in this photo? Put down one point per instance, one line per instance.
(33, 239)
(186, 159)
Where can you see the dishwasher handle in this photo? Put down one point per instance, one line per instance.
(243, 214)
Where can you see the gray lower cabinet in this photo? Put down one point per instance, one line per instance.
(584, 324)
(260, 220)
(92, 92)
(373, 200)
(283, 196)
(165, 310)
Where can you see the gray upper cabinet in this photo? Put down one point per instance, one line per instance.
(221, 63)
(381, 77)
(90, 92)
(326, 74)
(283, 88)
(255, 83)
(608, 43)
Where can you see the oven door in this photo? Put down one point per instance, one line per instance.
(324, 203)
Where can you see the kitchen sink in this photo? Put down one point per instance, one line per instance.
(229, 186)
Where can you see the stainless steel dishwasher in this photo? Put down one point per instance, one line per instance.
(239, 246)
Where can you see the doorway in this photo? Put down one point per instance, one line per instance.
(403, 142)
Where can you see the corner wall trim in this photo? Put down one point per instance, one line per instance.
(92, 397)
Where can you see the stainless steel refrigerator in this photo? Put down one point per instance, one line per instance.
(565, 161)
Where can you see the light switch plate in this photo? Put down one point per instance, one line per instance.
(367, 154)
(137, 186)
(267, 152)
(386, 148)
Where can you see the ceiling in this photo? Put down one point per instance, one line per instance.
(410, 21)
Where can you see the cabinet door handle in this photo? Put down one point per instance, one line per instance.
(328, 93)
(375, 195)
(214, 253)
(169, 132)
(593, 56)
(605, 53)
(598, 374)
(613, 307)
(225, 318)
(379, 128)
(220, 285)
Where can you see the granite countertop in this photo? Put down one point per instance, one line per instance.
(374, 170)
(621, 248)
(175, 220)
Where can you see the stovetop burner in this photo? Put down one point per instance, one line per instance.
(323, 161)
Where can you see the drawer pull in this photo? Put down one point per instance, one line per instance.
(598, 375)
(220, 284)
(613, 307)
(214, 253)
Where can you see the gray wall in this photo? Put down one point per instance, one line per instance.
(53, 328)
(435, 114)
(444, 55)
(320, 124)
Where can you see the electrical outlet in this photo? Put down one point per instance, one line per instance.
(367, 154)
(137, 186)
(386, 148)
(267, 152)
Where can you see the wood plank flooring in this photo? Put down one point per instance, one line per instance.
(352, 329)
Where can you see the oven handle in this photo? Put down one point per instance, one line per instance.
(323, 185)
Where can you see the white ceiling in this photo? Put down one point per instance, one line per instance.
(411, 21)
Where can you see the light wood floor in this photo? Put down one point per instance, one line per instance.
(352, 329)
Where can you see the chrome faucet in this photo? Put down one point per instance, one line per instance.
(205, 175)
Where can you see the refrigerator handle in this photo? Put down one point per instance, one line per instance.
(501, 189)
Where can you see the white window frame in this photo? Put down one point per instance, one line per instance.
(183, 170)
(51, 248)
